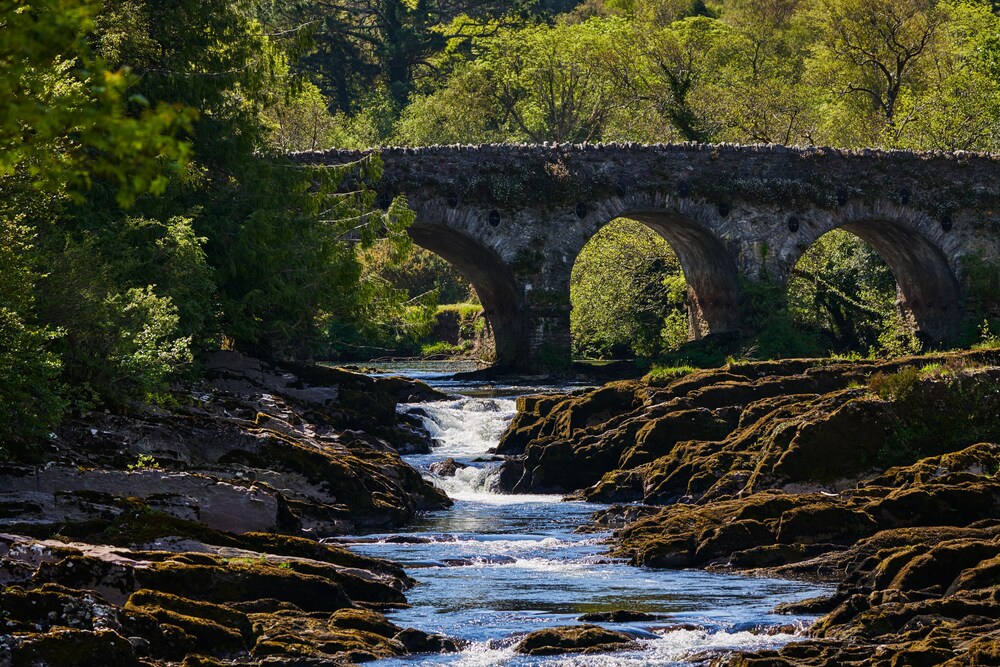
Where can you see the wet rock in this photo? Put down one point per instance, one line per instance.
(715, 434)
(214, 602)
(908, 596)
(574, 639)
(447, 468)
(618, 616)
(336, 637)
(213, 629)
(417, 641)
(70, 648)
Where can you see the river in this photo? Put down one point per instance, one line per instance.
(495, 567)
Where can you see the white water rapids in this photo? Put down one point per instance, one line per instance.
(495, 567)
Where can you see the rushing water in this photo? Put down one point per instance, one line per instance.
(495, 567)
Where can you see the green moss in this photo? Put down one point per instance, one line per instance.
(237, 582)
(235, 623)
(363, 619)
(661, 376)
(299, 635)
(75, 648)
(573, 639)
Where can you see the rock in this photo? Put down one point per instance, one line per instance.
(255, 448)
(71, 648)
(66, 493)
(574, 639)
(417, 641)
(618, 616)
(181, 531)
(824, 521)
(212, 629)
(293, 600)
(447, 468)
(908, 596)
(794, 425)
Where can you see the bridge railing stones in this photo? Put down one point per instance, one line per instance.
(513, 219)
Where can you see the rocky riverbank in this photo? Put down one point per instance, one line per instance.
(879, 476)
(189, 533)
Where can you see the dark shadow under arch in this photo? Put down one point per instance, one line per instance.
(709, 269)
(494, 282)
(929, 293)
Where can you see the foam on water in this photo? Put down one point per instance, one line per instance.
(495, 567)
(670, 648)
(465, 427)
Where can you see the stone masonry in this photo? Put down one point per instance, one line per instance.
(513, 218)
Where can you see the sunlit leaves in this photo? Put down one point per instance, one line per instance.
(625, 283)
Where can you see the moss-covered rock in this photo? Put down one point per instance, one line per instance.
(908, 596)
(241, 580)
(751, 427)
(574, 639)
(215, 629)
(330, 637)
(70, 648)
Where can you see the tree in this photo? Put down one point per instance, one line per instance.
(844, 290)
(62, 125)
(533, 84)
(758, 87)
(550, 83)
(277, 235)
(669, 72)
(959, 104)
(623, 287)
(872, 50)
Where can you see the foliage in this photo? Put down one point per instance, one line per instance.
(988, 338)
(982, 305)
(63, 127)
(30, 400)
(418, 271)
(180, 113)
(61, 122)
(442, 348)
(895, 386)
(623, 288)
(660, 376)
(966, 410)
(144, 461)
(845, 292)
(887, 73)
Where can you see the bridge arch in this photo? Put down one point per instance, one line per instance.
(695, 231)
(928, 293)
(493, 280)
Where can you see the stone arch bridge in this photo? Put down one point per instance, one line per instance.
(513, 218)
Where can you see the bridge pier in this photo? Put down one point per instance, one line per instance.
(548, 341)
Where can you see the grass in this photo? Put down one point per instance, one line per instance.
(464, 310)
(441, 347)
(663, 375)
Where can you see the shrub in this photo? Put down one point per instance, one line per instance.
(895, 386)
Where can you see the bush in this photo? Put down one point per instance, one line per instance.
(30, 401)
(122, 338)
(895, 386)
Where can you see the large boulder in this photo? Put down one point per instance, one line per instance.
(574, 639)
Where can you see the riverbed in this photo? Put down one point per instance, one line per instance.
(494, 567)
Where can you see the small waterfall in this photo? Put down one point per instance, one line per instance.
(466, 429)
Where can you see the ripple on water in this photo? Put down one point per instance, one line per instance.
(495, 567)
